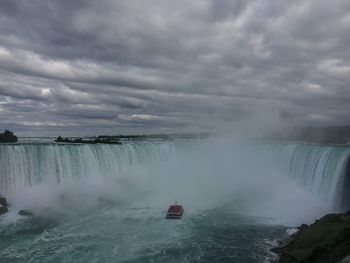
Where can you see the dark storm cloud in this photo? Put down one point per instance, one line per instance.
(150, 66)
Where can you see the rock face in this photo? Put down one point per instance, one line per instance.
(326, 240)
(3, 201)
(3, 210)
(3, 205)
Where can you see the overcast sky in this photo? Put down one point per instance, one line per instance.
(121, 66)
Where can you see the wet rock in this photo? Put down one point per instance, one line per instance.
(3, 210)
(3, 205)
(3, 201)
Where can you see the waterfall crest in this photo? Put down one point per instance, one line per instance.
(319, 169)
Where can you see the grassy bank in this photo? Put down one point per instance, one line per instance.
(326, 240)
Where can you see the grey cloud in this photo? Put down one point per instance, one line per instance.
(155, 65)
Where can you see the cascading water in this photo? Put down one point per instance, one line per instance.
(320, 169)
(232, 196)
(31, 164)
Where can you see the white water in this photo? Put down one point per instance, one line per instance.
(291, 183)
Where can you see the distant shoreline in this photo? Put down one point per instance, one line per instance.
(125, 139)
(327, 136)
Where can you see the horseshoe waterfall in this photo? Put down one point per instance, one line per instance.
(95, 203)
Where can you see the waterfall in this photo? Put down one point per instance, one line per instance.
(30, 164)
(319, 169)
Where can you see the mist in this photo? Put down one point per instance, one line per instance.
(235, 175)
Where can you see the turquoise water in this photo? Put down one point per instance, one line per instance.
(113, 234)
(107, 203)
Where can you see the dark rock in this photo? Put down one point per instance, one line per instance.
(302, 228)
(25, 213)
(3, 205)
(3, 202)
(3, 210)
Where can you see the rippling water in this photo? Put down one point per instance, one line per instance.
(107, 203)
(115, 234)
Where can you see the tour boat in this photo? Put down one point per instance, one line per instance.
(175, 211)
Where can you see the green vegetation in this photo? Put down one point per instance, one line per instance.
(327, 240)
(115, 139)
(88, 141)
(7, 136)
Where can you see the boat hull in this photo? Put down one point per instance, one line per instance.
(175, 212)
(172, 216)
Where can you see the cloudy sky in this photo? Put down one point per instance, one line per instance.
(122, 66)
